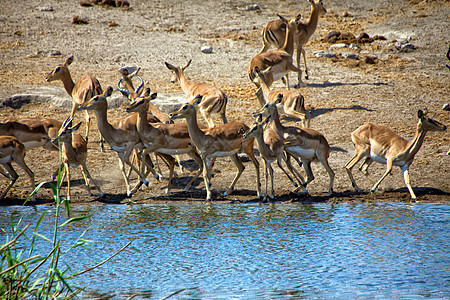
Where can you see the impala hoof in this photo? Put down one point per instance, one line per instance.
(166, 191)
(145, 182)
(158, 177)
(373, 190)
(129, 194)
(101, 195)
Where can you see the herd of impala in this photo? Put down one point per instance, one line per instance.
(146, 130)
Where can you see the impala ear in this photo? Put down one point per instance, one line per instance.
(69, 61)
(146, 93)
(153, 96)
(283, 18)
(76, 127)
(170, 67)
(197, 100)
(266, 120)
(108, 91)
(279, 99)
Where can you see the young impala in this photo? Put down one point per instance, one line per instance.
(219, 141)
(274, 34)
(74, 153)
(378, 143)
(305, 143)
(271, 148)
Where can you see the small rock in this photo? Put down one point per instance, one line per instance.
(371, 59)
(355, 47)
(404, 46)
(323, 53)
(446, 107)
(79, 20)
(49, 53)
(338, 46)
(350, 55)
(112, 24)
(49, 8)
(207, 49)
(346, 14)
(253, 7)
(363, 36)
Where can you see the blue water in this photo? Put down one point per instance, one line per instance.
(279, 251)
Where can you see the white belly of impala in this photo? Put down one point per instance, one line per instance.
(382, 160)
(118, 149)
(173, 151)
(222, 154)
(304, 153)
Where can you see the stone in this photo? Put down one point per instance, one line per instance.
(207, 49)
(323, 53)
(350, 55)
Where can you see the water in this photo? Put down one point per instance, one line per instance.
(280, 251)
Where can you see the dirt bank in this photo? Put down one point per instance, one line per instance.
(343, 93)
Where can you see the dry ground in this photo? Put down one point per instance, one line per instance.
(342, 93)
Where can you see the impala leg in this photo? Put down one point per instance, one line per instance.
(198, 160)
(67, 167)
(147, 162)
(324, 162)
(125, 177)
(88, 126)
(207, 116)
(388, 170)
(285, 172)
(265, 178)
(349, 166)
(299, 74)
(295, 172)
(260, 96)
(223, 116)
(206, 178)
(272, 190)
(13, 176)
(240, 167)
(364, 169)
(171, 161)
(306, 67)
(405, 171)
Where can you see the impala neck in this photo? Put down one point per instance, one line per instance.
(194, 131)
(184, 83)
(142, 118)
(68, 150)
(68, 82)
(276, 123)
(102, 120)
(415, 144)
(311, 25)
(289, 42)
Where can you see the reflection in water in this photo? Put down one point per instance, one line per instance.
(279, 251)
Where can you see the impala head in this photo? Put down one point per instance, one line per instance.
(428, 124)
(318, 6)
(177, 70)
(97, 101)
(257, 128)
(141, 103)
(60, 71)
(65, 133)
(187, 109)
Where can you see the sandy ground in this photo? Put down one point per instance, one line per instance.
(341, 93)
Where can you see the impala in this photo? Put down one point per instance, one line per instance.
(271, 148)
(33, 132)
(305, 143)
(219, 141)
(279, 61)
(81, 91)
(292, 104)
(74, 153)
(274, 34)
(214, 100)
(11, 149)
(170, 139)
(378, 143)
(122, 136)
